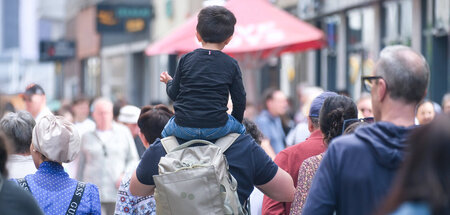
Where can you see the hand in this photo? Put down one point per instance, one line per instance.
(165, 77)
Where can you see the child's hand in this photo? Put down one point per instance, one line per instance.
(165, 77)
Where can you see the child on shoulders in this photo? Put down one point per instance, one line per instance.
(203, 81)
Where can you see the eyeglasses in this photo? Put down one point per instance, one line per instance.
(348, 122)
(367, 81)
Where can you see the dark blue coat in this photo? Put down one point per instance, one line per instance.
(357, 171)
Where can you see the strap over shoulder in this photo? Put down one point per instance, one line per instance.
(24, 184)
(169, 143)
(76, 198)
(225, 142)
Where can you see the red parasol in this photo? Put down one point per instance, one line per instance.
(261, 28)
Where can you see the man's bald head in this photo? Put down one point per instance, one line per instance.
(405, 72)
(103, 113)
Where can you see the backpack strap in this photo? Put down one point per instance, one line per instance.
(76, 199)
(225, 142)
(24, 184)
(169, 143)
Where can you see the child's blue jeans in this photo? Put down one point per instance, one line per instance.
(188, 133)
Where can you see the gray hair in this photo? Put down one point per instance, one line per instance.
(18, 127)
(405, 72)
(102, 100)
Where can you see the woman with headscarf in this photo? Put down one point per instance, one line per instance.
(56, 141)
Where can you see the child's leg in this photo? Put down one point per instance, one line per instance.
(172, 129)
(232, 126)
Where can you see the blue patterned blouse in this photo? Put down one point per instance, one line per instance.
(53, 190)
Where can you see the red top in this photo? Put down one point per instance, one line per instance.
(290, 160)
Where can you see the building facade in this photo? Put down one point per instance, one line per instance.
(356, 31)
(23, 25)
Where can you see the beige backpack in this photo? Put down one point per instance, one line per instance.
(195, 180)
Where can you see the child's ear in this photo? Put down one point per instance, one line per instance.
(199, 38)
(228, 40)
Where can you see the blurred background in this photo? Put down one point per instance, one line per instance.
(97, 48)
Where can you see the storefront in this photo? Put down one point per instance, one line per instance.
(356, 31)
(436, 45)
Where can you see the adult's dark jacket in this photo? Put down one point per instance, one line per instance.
(357, 170)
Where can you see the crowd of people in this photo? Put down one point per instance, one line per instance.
(385, 153)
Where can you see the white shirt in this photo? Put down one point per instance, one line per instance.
(19, 166)
(104, 157)
(83, 127)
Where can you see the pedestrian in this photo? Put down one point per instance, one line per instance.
(36, 101)
(13, 199)
(364, 105)
(425, 112)
(56, 141)
(151, 122)
(333, 115)
(18, 128)
(81, 111)
(269, 120)
(446, 103)
(66, 112)
(306, 95)
(292, 157)
(422, 185)
(248, 164)
(106, 154)
(357, 170)
(203, 80)
(129, 116)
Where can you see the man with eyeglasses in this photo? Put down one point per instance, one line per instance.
(357, 170)
(36, 101)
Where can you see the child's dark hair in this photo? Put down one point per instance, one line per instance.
(334, 111)
(215, 24)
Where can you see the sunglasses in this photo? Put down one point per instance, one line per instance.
(26, 99)
(348, 122)
(368, 82)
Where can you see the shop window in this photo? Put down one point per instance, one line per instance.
(91, 77)
(331, 25)
(442, 16)
(360, 47)
(397, 21)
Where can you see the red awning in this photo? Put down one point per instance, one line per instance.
(260, 27)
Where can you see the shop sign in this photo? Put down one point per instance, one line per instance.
(56, 50)
(122, 18)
